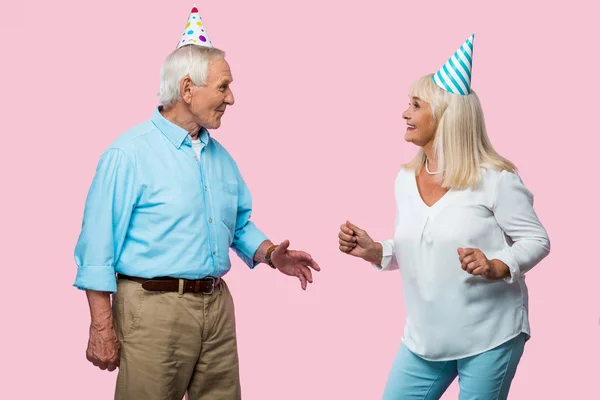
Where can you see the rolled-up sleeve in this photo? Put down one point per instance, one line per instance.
(109, 204)
(247, 237)
(513, 210)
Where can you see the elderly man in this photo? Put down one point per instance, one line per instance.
(165, 205)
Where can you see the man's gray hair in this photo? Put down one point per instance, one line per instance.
(189, 60)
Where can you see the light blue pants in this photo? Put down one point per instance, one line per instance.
(486, 376)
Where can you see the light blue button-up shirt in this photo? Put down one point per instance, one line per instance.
(155, 209)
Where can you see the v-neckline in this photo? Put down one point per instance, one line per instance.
(437, 203)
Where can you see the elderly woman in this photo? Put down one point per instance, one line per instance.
(465, 235)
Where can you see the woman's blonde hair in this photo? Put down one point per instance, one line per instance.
(461, 143)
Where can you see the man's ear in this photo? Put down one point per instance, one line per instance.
(185, 87)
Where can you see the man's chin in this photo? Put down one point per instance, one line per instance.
(213, 124)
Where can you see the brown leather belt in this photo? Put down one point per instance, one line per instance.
(168, 284)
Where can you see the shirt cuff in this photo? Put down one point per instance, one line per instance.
(507, 258)
(96, 277)
(388, 255)
(247, 245)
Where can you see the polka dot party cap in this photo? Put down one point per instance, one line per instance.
(194, 32)
(455, 75)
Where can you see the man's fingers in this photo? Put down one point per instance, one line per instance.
(302, 281)
(307, 274)
(315, 265)
(303, 258)
(115, 359)
(283, 246)
(300, 256)
(100, 364)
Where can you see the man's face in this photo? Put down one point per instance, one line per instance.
(210, 101)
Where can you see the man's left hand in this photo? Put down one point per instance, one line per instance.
(294, 263)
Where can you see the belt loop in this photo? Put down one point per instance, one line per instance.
(181, 284)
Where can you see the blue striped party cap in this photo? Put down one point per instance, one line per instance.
(455, 75)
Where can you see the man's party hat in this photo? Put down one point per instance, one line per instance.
(195, 32)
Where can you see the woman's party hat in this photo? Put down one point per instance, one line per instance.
(455, 75)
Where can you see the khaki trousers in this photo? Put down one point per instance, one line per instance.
(172, 344)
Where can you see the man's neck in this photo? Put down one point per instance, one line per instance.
(180, 116)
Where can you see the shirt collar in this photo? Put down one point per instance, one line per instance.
(176, 134)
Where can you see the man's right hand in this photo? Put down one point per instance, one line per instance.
(103, 347)
(358, 243)
(103, 344)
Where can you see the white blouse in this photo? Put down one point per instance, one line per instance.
(451, 314)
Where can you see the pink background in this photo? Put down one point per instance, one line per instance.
(317, 132)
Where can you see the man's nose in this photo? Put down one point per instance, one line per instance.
(230, 99)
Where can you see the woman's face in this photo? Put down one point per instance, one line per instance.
(420, 128)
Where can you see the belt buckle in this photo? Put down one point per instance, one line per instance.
(212, 287)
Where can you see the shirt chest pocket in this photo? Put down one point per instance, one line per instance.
(227, 203)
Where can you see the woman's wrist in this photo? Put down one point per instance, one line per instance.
(502, 270)
(375, 254)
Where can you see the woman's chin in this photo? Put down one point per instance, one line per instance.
(410, 138)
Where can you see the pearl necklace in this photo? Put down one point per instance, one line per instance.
(427, 168)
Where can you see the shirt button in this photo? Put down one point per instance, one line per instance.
(214, 252)
(196, 158)
(206, 188)
(210, 220)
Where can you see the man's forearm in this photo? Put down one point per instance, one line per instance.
(261, 252)
(100, 309)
